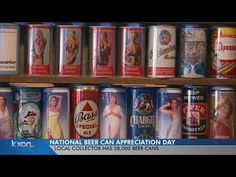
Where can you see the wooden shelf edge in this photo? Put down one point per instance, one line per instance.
(115, 80)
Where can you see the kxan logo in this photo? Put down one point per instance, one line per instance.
(21, 144)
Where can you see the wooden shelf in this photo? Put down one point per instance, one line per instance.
(115, 80)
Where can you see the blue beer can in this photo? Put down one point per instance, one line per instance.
(27, 113)
(6, 113)
(141, 112)
(113, 113)
(169, 113)
(56, 113)
(192, 51)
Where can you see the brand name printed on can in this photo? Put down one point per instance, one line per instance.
(142, 121)
(86, 118)
(201, 108)
(221, 47)
(194, 95)
(190, 130)
(8, 61)
(162, 52)
(31, 96)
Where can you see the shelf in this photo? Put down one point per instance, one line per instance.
(115, 80)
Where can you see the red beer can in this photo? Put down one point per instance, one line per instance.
(84, 112)
(102, 50)
(39, 55)
(131, 59)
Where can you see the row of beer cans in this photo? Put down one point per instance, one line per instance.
(89, 111)
(190, 50)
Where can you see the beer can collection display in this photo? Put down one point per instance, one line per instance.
(141, 113)
(161, 51)
(131, 51)
(193, 51)
(56, 113)
(27, 113)
(113, 113)
(223, 52)
(39, 50)
(222, 113)
(6, 113)
(84, 112)
(69, 48)
(169, 115)
(102, 50)
(9, 50)
(195, 112)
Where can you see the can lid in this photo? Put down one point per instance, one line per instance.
(69, 26)
(113, 90)
(195, 86)
(56, 89)
(162, 25)
(5, 89)
(2, 25)
(85, 87)
(170, 90)
(222, 88)
(39, 25)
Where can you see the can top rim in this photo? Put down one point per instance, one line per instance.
(222, 88)
(164, 25)
(102, 26)
(39, 25)
(69, 25)
(9, 24)
(113, 89)
(85, 87)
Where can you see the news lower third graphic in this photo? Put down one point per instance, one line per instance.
(117, 147)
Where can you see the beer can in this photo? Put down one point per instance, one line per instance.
(56, 113)
(193, 52)
(223, 52)
(141, 113)
(69, 49)
(161, 51)
(27, 113)
(169, 113)
(9, 50)
(222, 123)
(195, 112)
(113, 113)
(39, 55)
(6, 113)
(84, 112)
(132, 51)
(102, 50)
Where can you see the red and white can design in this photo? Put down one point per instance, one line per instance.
(84, 112)
(102, 50)
(39, 49)
(132, 42)
(161, 51)
(69, 49)
(223, 52)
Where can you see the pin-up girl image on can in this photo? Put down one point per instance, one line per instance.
(72, 47)
(5, 119)
(133, 57)
(173, 110)
(54, 129)
(105, 49)
(38, 48)
(113, 115)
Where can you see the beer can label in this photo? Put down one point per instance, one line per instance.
(9, 50)
(193, 43)
(113, 113)
(223, 52)
(132, 54)
(195, 114)
(56, 113)
(142, 114)
(39, 50)
(102, 47)
(222, 114)
(161, 51)
(169, 113)
(6, 113)
(28, 113)
(86, 118)
(70, 45)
